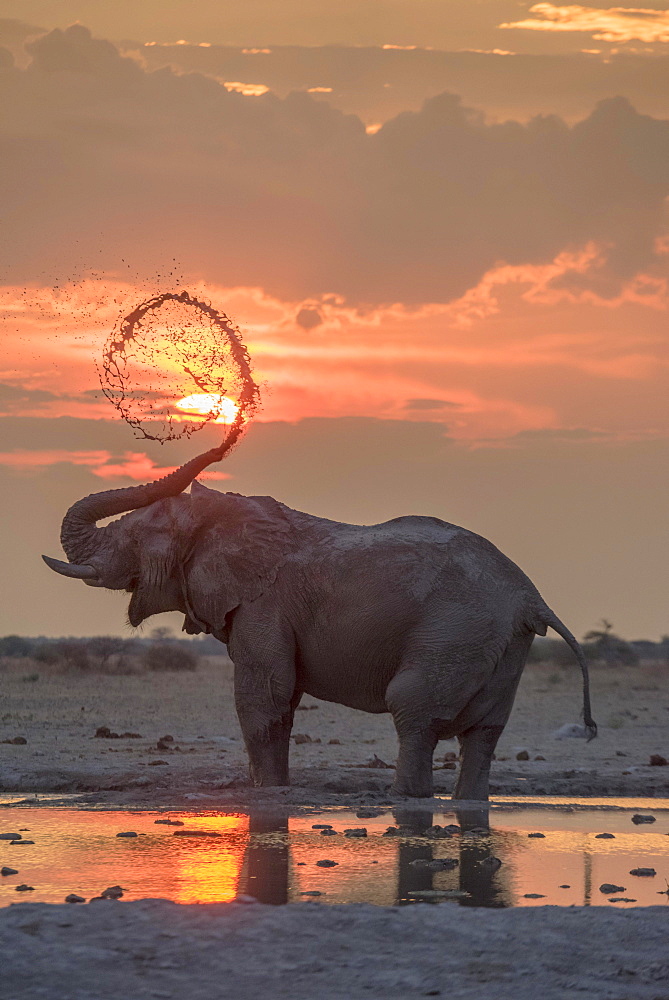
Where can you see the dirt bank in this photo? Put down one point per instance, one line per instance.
(114, 950)
(58, 716)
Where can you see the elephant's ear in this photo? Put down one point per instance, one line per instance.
(157, 535)
(240, 543)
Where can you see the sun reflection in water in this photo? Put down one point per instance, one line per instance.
(209, 868)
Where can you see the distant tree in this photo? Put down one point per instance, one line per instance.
(161, 634)
(101, 649)
(604, 644)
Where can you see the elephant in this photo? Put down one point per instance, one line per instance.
(415, 616)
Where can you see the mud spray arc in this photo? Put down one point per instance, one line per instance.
(174, 347)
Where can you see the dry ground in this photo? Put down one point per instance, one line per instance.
(58, 715)
(151, 948)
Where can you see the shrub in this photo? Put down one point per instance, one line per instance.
(99, 654)
(15, 646)
(169, 656)
(68, 654)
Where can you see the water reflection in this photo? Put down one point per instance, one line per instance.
(266, 868)
(273, 856)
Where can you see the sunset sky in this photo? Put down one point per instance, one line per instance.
(441, 226)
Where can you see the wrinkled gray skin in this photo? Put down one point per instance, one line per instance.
(415, 617)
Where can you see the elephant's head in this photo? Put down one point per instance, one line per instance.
(202, 554)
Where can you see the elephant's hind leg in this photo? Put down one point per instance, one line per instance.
(477, 746)
(491, 710)
(407, 699)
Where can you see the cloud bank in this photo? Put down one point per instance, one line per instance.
(379, 83)
(105, 162)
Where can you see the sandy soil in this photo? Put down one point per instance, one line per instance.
(154, 948)
(59, 714)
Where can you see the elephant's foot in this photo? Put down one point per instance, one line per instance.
(268, 762)
(269, 773)
(416, 789)
(413, 777)
(476, 749)
(262, 782)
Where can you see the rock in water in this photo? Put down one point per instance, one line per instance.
(436, 865)
(113, 892)
(642, 818)
(608, 888)
(10, 836)
(9, 871)
(643, 872)
(325, 863)
(127, 833)
(73, 898)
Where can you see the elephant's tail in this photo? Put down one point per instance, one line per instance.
(550, 619)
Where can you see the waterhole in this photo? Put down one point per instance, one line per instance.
(437, 857)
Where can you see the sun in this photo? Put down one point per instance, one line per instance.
(205, 403)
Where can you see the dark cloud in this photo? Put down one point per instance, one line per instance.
(560, 434)
(14, 34)
(308, 318)
(11, 395)
(104, 162)
(430, 404)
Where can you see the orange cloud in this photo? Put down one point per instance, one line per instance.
(615, 24)
(563, 325)
(133, 465)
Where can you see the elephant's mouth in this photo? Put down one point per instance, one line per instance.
(137, 610)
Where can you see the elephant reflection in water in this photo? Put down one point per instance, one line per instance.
(475, 874)
(266, 869)
(266, 872)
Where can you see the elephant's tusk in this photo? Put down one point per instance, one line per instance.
(71, 569)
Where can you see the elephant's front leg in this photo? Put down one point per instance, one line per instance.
(266, 700)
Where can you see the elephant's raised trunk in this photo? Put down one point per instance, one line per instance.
(78, 533)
